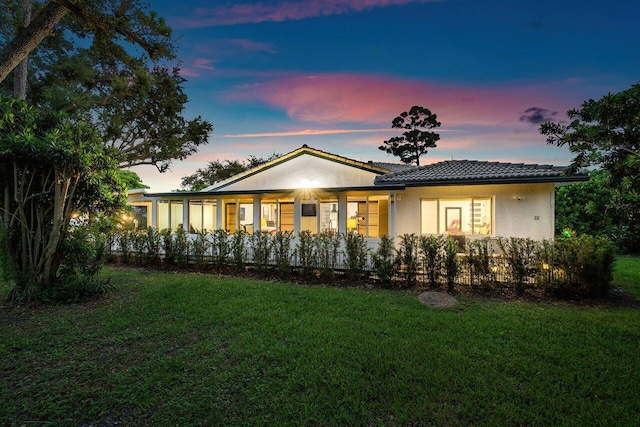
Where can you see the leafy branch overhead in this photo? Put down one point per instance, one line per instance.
(117, 83)
(417, 138)
(110, 23)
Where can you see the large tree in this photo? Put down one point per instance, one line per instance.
(606, 133)
(50, 169)
(417, 138)
(90, 69)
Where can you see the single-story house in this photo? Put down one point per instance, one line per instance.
(308, 189)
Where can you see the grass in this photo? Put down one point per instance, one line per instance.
(627, 274)
(189, 349)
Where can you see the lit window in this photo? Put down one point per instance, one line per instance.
(456, 216)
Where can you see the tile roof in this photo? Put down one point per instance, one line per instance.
(477, 172)
(393, 167)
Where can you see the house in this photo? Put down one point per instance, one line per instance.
(308, 189)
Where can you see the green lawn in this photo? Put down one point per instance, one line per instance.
(627, 274)
(189, 349)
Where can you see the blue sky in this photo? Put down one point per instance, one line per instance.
(274, 75)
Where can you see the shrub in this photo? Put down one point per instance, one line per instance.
(327, 248)
(153, 246)
(138, 245)
(522, 259)
(582, 265)
(408, 255)
(238, 249)
(432, 249)
(220, 249)
(282, 252)
(306, 253)
(385, 262)
(451, 264)
(181, 247)
(261, 245)
(480, 262)
(199, 248)
(124, 240)
(357, 253)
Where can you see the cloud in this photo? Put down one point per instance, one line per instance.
(537, 115)
(245, 13)
(336, 98)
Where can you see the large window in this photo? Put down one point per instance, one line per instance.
(169, 215)
(328, 216)
(457, 216)
(368, 216)
(202, 216)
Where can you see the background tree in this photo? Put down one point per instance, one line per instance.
(217, 171)
(417, 139)
(606, 132)
(50, 169)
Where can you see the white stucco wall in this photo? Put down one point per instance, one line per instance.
(305, 171)
(520, 210)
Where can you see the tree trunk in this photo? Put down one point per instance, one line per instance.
(30, 37)
(20, 74)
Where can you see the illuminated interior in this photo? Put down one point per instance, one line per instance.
(457, 216)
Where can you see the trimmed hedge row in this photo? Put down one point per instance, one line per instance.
(581, 265)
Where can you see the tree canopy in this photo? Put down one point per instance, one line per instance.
(50, 170)
(93, 68)
(417, 138)
(606, 133)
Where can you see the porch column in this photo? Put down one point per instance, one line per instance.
(219, 213)
(392, 214)
(296, 215)
(185, 215)
(342, 213)
(257, 223)
(154, 213)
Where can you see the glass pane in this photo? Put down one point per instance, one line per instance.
(328, 217)
(482, 216)
(163, 215)
(208, 216)
(176, 215)
(429, 217)
(195, 217)
(269, 216)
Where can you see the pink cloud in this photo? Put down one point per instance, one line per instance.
(245, 13)
(305, 132)
(204, 64)
(188, 72)
(358, 98)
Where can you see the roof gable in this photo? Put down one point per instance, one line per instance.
(304, 167)
(477, 172)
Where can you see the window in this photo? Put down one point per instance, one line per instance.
(368, 216)
(202, 216)
(328, 216)
(456, 216)
(169, 215)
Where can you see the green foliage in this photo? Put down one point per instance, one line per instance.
(239, 250)
(327, 249)
(581, 265)
(605, 132)
(480, 262)
(409, 258)
(221, 249)
(451, 263)
(415, 141)
(130, 179)
(521, 255)
(385, 261)
(432, 249)
(132, 97)
(181, 247)
(50, 169)
(261, 244)
(153, 245)
(357, 253)
(282, 252)
(306, 253)
(200, 246)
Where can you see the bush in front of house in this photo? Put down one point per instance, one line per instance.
(385, 261)
(570, 265)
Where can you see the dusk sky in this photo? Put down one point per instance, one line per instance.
(274, 75)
